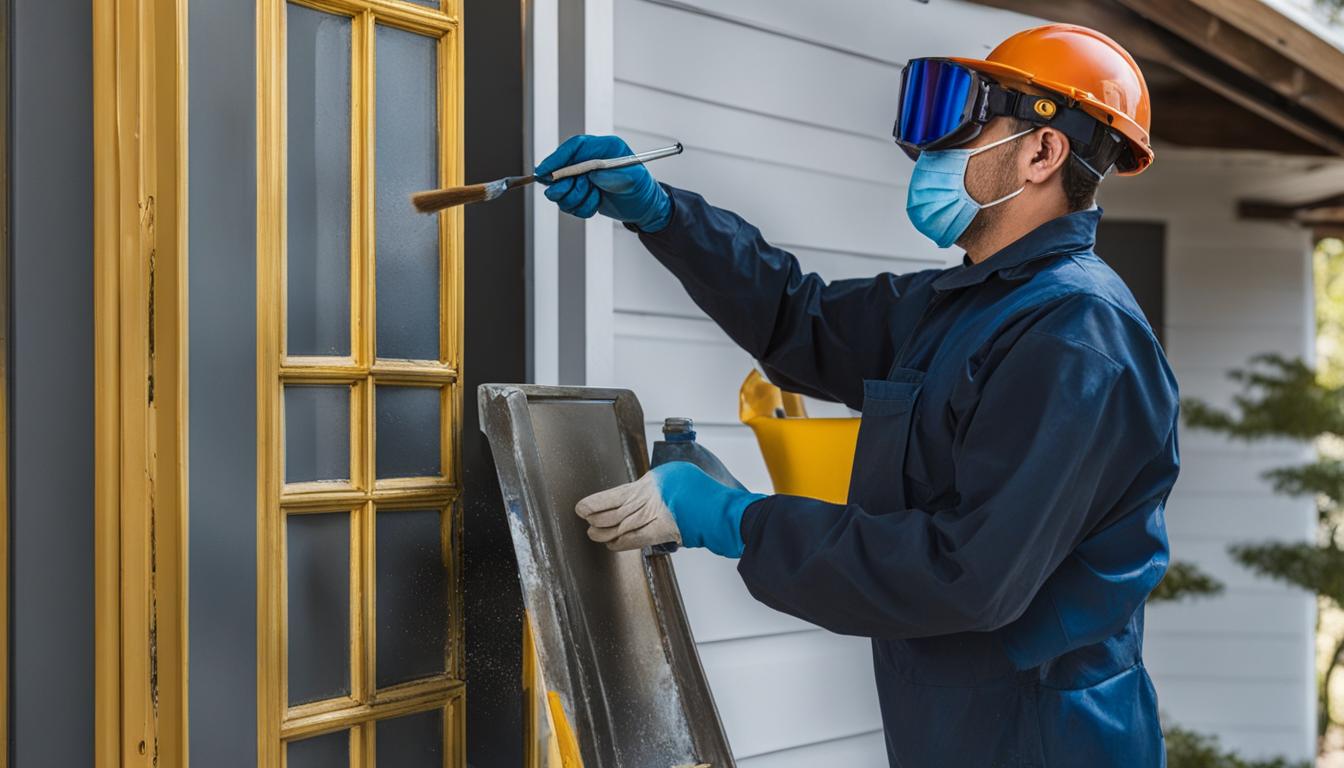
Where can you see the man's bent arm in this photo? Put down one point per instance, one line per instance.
(1054, 444)
(818, 338)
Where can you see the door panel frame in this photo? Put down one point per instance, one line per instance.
(277, 720)
(140, 182)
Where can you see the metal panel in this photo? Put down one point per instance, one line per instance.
(222, 285)
(610, 629)
(53, 395)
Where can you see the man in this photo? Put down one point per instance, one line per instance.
(1018, 442)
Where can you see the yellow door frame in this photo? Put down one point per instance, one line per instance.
(279, 722)
(140, 174)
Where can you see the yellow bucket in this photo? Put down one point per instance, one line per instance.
(805, 456)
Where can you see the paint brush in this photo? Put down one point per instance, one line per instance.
(439, 199)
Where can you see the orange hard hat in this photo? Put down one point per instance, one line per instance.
(1085, 66)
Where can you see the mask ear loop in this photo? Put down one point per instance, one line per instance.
(991, 145)
(1004, 140)
(1088, 166)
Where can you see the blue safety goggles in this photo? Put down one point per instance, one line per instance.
(945, 104)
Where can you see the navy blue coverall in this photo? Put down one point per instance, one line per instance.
(1005, 519)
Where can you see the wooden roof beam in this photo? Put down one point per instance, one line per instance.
(1246, 52)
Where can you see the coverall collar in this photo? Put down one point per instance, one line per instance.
(1071, 233)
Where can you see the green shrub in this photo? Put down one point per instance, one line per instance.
(1187, 749)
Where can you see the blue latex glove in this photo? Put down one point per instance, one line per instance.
(674, 502)
(625, 194)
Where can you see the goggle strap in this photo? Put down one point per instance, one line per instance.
(1085, 131)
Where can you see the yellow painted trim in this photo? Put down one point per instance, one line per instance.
(363, 495)
(270, 331)
(140, 678)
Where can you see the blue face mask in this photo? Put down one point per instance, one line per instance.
(938, 204)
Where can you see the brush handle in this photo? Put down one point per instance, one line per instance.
(588, 166)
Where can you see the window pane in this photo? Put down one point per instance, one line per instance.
(412, 595)
(319, 606)
(318, 182)
(430, 3)
(406, 155)
(413, 741)
(317, 433)
(408, 432)
(330, 750)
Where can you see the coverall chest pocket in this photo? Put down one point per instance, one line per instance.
(878, 479)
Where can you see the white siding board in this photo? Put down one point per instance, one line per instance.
(1201, 471)
(769, 80)
(878, 29)
(863, 751)
(724, 609)
(1214, 559)
(732, 131)
(1233, 658)
(656, 367)
(1258, 306)
(1235, 517)
(643, 286)
(1220, 348)
(821, 684)
(1241, 702)
(1235, 612)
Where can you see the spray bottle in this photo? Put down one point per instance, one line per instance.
(678, 444)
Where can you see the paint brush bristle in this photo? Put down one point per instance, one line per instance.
(439, 199)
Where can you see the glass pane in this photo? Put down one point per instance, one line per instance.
(413, 741)
(407, 247)
(408, 432)
(430, 3)
(319, 606)
(330, 750)
(318, 182)
(317, 433)
(412, 595)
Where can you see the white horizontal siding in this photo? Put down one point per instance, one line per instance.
(1238, 665)
(785, 108)
(778, 692)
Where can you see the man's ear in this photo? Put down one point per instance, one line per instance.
(1049, 151)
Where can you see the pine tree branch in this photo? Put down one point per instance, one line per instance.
(1323, 479)
(1280, 397)
(1318, 568)
(1187, 749)
(1184, 580)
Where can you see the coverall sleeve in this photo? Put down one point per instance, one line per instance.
(1058, 432)
(819, 338)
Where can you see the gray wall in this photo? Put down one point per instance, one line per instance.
(222, 287)
(495, 350)
(52, 692)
